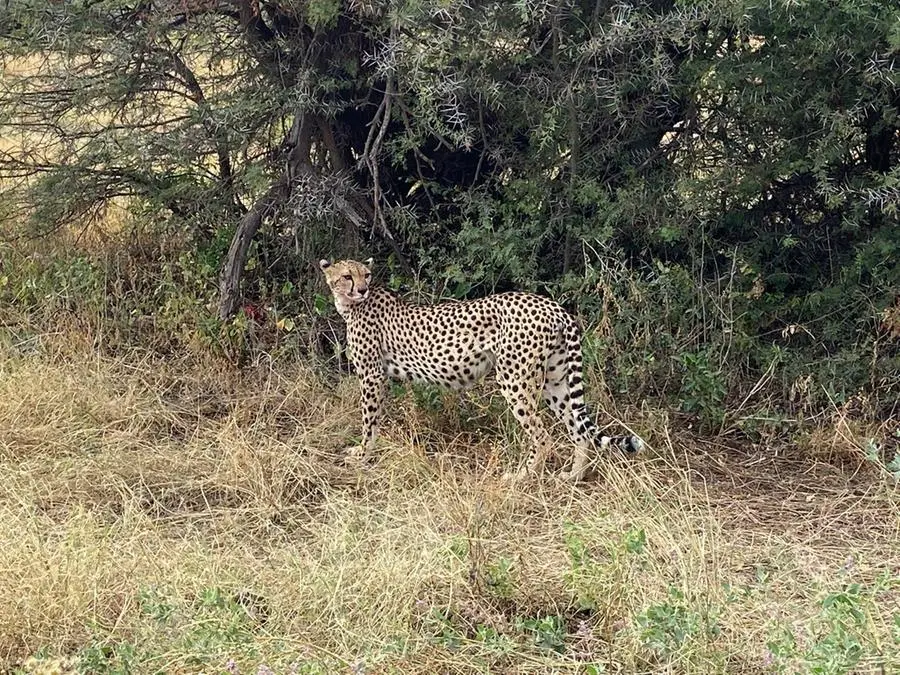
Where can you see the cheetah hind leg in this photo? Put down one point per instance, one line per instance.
(524, 405)
(564, 393)
(572, 411)
(557, 394)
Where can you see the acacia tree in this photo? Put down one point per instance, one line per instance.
(416, 110)
(483, 144)
(115, 99)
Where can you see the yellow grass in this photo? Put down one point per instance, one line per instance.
(183, 516)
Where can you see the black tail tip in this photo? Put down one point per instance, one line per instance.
(633, 445)
(629, 444)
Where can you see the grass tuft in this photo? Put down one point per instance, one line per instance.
(180, 516)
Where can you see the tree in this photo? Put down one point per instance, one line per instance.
(483, 145)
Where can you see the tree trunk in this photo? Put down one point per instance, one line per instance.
(880, 139)
(299, 140)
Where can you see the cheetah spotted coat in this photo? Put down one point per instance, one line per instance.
(531, 343)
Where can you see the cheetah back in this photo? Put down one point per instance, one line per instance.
(455, 344)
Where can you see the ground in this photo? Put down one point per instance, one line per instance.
(179, 515)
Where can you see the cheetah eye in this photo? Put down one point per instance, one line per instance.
(368, 275)
(348, 277)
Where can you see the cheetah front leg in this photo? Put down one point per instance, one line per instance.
(372, 385)
(372, 394)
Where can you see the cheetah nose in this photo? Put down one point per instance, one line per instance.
(364, 291)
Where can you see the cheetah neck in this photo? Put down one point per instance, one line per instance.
(349, 310)
(344, 308)
(378, 298)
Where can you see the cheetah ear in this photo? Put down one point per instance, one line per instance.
(324, 264)
(368, 262)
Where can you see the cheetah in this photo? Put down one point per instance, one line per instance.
(531, 343)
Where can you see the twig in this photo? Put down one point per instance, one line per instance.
(372, 154)
(372, 149)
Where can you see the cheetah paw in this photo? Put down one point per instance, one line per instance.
(514, 476)
(355, 454)
(571, 476)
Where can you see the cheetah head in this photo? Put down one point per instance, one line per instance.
(348, 281)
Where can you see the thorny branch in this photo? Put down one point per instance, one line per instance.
(375, 138)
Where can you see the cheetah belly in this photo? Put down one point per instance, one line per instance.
(454, 370)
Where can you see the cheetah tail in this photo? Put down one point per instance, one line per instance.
(628, 444)
(585, 425)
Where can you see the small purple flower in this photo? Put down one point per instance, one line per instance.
(849, 565)
(584, 631)
(358, 667)
(264, 670)
(768, 659)
(232, 667)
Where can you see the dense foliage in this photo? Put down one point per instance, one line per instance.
(713, 184)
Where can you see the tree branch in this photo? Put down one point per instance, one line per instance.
(218, 138)
(299, 139)
(370, 156)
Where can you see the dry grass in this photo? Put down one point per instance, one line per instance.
(186, 517)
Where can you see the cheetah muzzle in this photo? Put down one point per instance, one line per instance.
(530, 342)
